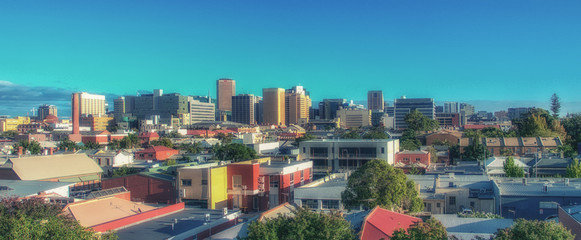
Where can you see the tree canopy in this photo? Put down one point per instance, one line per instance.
(539, 123)
(31, 146)
(432, 229)
(376, 133)
(351, 134)
(511, 169)
(416, 121)
(377, 183)
(191, 148)
(533, 230)
(303, 138)
(234, 151)
(305, 224)
(34, 219)
(162, 142)
(572, 124)
(555, 105)
(127, 142)
(574, 169)
(408, 141)
(475, 151)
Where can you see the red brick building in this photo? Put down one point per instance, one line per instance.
(146, 187)
(147, 137)
(407, 160)
(260, 185)
(158, 153)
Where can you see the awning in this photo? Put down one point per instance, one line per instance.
(73, 179)
(90, 178)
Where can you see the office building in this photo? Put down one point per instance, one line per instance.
(95, 122)
(45, 110)
(466, 109)
(404, 106)
(92, 104)
(226, 89)
(201, 111)
(258, 109)
(354, 117)
(339, 155)
(146, 106)
(119, 108)
(375, 100)
(243, 108)
(11, 124)
(274, 106)
(328, 108)
(451, 107)
(448, 119)
(297, 105)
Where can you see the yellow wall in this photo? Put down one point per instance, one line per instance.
(218, 188)
(11, 124)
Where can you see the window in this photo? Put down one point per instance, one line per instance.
(302, 175)
(304, 149)
(274, 181)
(186, 182)
(452, 200)
(429, 207)
(255, 203)
(108, 162)
(236, 181)
(418, 160)
(471, 204)
(99, 160)
(438, 205)
(330, 204)
(204, 182)
(382, 150)
(310, 203)
(292, 178)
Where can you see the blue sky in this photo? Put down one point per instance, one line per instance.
(515, 52)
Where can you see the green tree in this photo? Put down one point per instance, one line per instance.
(191, 148)
(511, 169)
(376, 133)
(572, 125)
(555, 105)
(9, 134)
(432, 229)
(534, 230)
(174, 134)
(123, 171)
(454, 152)
(225, 138)
(377, 183)
(305, 224)
(34, 219)
(408, 141)
(67, 145)
(129, 141)
(475, 151)
(235, 152)
(351, 134)
(539, 123)
(303, 138)
(31, 146)
(416, 121)
(162, 142)
(91, 145)
(574, 169)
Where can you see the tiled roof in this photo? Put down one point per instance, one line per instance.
(156, 149)
(381, 223)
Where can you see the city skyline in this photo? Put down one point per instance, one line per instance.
(503, 52)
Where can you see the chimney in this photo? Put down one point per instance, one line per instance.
(75, 113)
(20, 150)
(50, 151)
(436, 182)
(524, 181)
(562, 155)
(566, 182)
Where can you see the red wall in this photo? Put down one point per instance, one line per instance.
(424, 158)
(249, 173)
(144, 189)
(137, 218)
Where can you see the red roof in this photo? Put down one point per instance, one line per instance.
(224, 131)
(478, 127)
(148, 135)
(156, 149)
(201, 132)
(381, 223)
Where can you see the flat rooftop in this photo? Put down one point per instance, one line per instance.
(161, 228)
(350, 140)
(330, 189)
(534, 187)
(19, 188)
